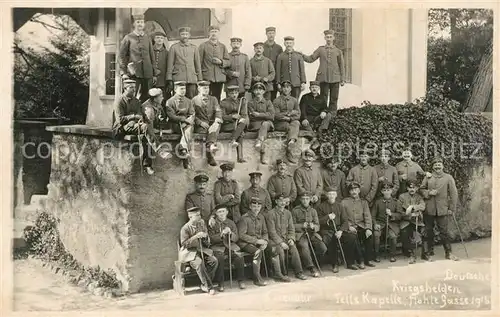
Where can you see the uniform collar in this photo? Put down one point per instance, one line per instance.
(161, 48)
(268, 43)
(235, 53)
(259, 58)
(410, 163)
(383, 166)
(307, 167)
(216, 43)
(184, 44)
(139, 34)
(364, 167)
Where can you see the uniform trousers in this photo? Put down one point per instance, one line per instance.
(205, 270)
(442, 224)
(348, 241)
(365, 253)
(237, 134)
(406, 234)
(236, 259)
(305, 250)
(292, 128)
(211, 137)
(318, 124)
(294, 255)
(216, 90)
(147, 137)
(331, 90)
(263, 126)
(142, 88)
(191, 90)
(392, 238)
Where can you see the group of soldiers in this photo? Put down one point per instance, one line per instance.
(197, 75)
(307, 218)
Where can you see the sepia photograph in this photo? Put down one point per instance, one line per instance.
(254, 157)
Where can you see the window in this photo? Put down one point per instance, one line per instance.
(109, 24)
(110, 73)
(341, 23)
(171, 19)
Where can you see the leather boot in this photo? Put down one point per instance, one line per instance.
(239, 153)
(257, 279)
(262, 158)
(425, 252)
(210, 158)
(277, 270)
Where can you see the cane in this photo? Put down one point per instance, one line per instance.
(265, 264)
(239, 109)
(286, 262)
(141, 147)
(416, 231)
(340, 244)
(386, 234)
(314, 253)
(460, 234)
(230, 264)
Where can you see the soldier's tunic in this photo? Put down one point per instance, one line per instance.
(290, 66)
(408, 223)
(390, 175)
(184, 64)
(229, 107)
(362, 220)
(153, 111)
(263, 67)
(178, 108)
(287, 106)
(160, 63)
(366, 177)
(335, 179)
(246, 197)
(282, 185)
(204, 201)
(263, 121)
(311, 107)
(211, 72)
(380, 218)
(223, 188)
(239, 63)
(251, 228)
(208, 114)
(412, 170)
(308, 179)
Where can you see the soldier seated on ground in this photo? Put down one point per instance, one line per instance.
(235, 119)
(386, 215)
(261, 114)
(254, 238)
(223, 236)
(195, 250)
(314, 112)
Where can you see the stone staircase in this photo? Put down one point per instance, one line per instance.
(24, 216)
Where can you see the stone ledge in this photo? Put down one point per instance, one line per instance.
(100, 132)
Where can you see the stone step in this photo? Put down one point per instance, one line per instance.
(38, 200)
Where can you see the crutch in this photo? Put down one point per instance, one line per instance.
(230, 263)
(314, 253)
(460, 234)
(340, 244)
(386, 234)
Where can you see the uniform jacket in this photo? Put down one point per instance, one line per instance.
(342, 218)
(331, 64)
(379, 213)
(229, 107)
(220, 243)
(391, 175)
(335, 179)
(411, 169)
(252, 228)
(366, 177)
(263, 67)
(152, 111)
(406, 200)
(160, 63)
(239, 63)
(125, 110)
(190, 246)
(183, 63)
(264, 109)
(301, 214)
(137, 49)
(286, 106)
(222, 189)
(290, 66)
(308, 179)
(311, 107)
(207, 113)
(210, 71)
(178, 107)
(359, 211)
(272, 51)
(447, 194)
(285, 185)
(280, 226)
(204, 201)
(246, 197)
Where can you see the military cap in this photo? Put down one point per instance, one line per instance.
(253, 174)
(289, 38)
(233, 87)
(193, 209)
(305, 193)
(201, 178)
(258, 85)
(236, 39)
(214, 27)
(331, 189)
(184, 29)
(286, 82)
(270, 28)
(353, 185)
(219, 207)
(314, 83)
(327, 32)
(437, 160)
(412, 184)
(387, 185)
(228, 166)
(153, 92)
(136, 17)
(309, 153)
(128, 82)
(203, 83)
(180, 83)
(280, 161)
(258, 44)
(159, 33)
(255, 200)
(280, 196)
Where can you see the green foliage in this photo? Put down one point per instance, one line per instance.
(53, 81)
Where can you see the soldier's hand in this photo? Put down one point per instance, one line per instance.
(433, 192)
(236, 74)
(201, 235)
(312, 225)
(305, 225)
(409, 209)
(414, 214)
(254, 114)
(368, 233)
(450, 212)
(155, 79)
(381, 178)
(388, 212)
(263, 247)
(204, 125)
(231, 196)
(211, 222)
(265, 79)
(314, 199)
(242, 120)
(226, 230)
(305, 122)
(257, 78)
(284, 246)
(278, 86)
(342, 83)
(352, 229)
(338, 234)
(428, 174)
(216, 61)
(322, 115)
(291, 242)
(302, 87)
(331, 216)
(404, 176)
(236, 116)
(138, 117)
(261, 241)
(247, 88)
(377, 227)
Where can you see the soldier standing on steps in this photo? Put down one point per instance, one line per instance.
(235, 119)
(262, 69)
(272, 50)
(239, 72)
(227, 192)
(290, 66)
(160, 62)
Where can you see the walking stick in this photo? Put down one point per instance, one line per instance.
(239, 109)
(265, 264)
(460, 234)
(141, 147)
(340, 244)
(230, 264)
(314, 253)
(416, 230)
(386, 234)
(286, 262)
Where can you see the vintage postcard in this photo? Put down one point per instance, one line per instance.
(250, 157)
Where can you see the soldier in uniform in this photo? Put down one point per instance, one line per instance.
(387, 173)
(314, 112)
(262, 69)
(235, 119)
(308, 178)
(408, 170)
(440, 193)
(214, 58)
(136, 58)
(281, 232)
(366, 176)
(227, 192)
(255, 190)
(287, 113)
(331, 71)
(208, 119)
(183, 63)
(194, 241)
(254, 237)
(333, 177)
(290, 66)
(272, 50)
(331, 211)
(180, 112)
(239, 72)
(153, 109)
(222, 233)
(306, 222)
(361, 224)
(282, 183)
(201, 198)
(413, 206)
(261, 114)
(386, 215)
(160, 62)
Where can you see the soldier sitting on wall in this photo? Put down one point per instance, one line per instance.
(314, 112)
(235, 119)
(153, 109)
